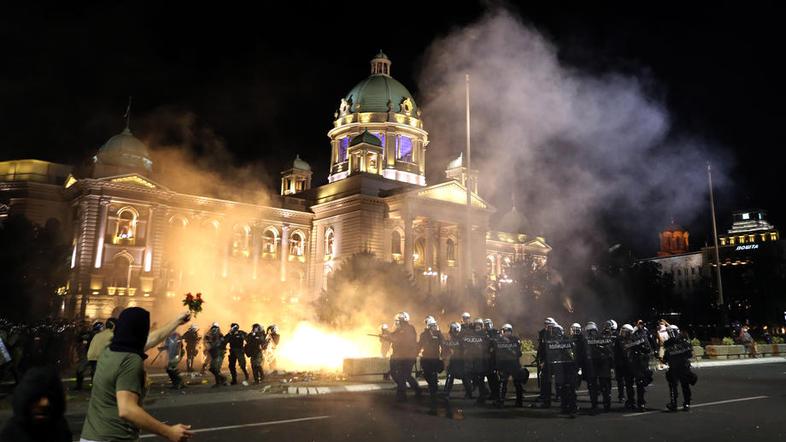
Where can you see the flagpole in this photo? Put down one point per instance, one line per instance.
(468, 184)
(719, 300)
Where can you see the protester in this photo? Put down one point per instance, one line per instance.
(115, 409)
(39, 408)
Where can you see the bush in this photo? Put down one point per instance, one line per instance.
(728, 341)
(527, 345)
(777, 340)
(695, 342)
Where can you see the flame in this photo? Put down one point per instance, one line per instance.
(312, 348)
(568, 304)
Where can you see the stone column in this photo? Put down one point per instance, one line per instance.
(148, 258)
(102, 216)
(408, 243)
(430, 258)
(284, 251)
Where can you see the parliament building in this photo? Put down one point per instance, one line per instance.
(127, 230)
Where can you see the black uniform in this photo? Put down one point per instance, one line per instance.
(600, 350)
(620, 367)
(582, 358)
(544, 367)
(475, 351)
(431, 343)
(215, 344)
(561, 353)
(237, 339)
(678, 353)
(507, 354)
(466, 378)
(637, 356)
(255, 345)
(405, 350)
(491, 374)
(451, 353)
(192, 338)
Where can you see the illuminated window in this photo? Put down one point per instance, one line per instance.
(269, 243)
(343, 144)
(723, 241)
(121, 272)
(731, 240)
(125, 230)
(240, 241)
(404, 148)
(751, 238)
(296, 244)
(774, 236)
(381, 136)
(419, 255)
(372, 165)
(742, 239)
(451, 251)
(330, 242)
(764, 237)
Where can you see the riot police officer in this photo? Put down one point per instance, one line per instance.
(237, 339)
(620, 364)
(677, 354)
(637, 356)
(191, 338)
(582, 358)
(466, 328)
(255, 345)
(174, 349)
(544, 365)
(431, 343)
(507, 354)
(491, 375)
(452, 356)
(475, 352)
(561, 354)
(405, 347)
(600, 352)
(215, 345)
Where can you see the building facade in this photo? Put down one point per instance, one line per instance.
(134, 241)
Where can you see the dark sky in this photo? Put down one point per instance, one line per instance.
(267, 81)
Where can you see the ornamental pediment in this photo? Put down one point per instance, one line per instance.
(135, 180)
(452, 192)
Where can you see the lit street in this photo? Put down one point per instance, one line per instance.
(730, 403)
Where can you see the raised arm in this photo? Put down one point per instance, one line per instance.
(158, 335)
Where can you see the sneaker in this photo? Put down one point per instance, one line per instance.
(245, 383)
(685, 407)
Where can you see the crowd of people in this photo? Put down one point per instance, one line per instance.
(486, 359)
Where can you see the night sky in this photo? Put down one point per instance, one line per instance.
(267, 81)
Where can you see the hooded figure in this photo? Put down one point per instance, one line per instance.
(39, 406)
(131, 332)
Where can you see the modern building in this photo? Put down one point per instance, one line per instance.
(135, 241)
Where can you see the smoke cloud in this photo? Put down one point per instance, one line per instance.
(585, 156)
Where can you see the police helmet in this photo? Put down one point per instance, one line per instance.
(673, 331)
(98, 326)
(431, 323)
(402, 317)
(234, 326)
(466, 317)
(426, 320)
(194, 327)
(558, 330)
(610, 325)
(383, 327)
(455, 327)
(590, 327)
(575, 328)
(215, 325)
(478, 324)
(273, 328)
(507, 328)
(626, 329)
(256, 327)
(488, 323)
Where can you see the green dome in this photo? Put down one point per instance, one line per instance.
(375, 92)
(125, 150)
(300, 164)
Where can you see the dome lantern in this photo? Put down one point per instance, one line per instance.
(380, 64)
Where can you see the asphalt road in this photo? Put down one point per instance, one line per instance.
(730, 403)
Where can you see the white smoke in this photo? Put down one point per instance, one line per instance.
(574, 146)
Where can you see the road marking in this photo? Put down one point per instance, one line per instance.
(706, 404)
(257, 424)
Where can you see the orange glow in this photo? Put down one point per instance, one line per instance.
(313, 348)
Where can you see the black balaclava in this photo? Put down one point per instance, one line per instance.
(38, 382)
(131, 330)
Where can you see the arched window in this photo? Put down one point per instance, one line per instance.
(419, 255)
(125, 229)
(297, 244)
(269, 243)
(395, 245)
(451, 252)
(240, 241)
(491, 262)
(330, 244)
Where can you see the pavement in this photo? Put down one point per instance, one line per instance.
(733, 400)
